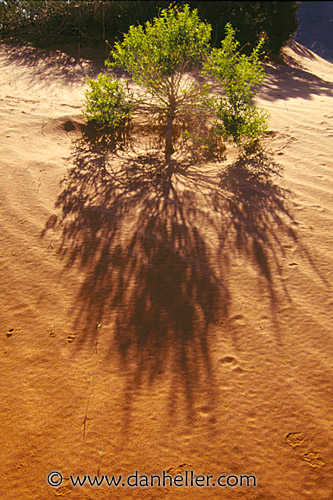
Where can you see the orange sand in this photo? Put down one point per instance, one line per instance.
(152, 323)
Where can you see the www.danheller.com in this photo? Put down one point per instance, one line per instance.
(137, 480)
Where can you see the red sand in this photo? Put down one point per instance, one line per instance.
(151, 325)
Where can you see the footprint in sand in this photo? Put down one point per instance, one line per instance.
(295, 439)
(63, 491)
(236, 321)
(236, 317)
(313, 459)
(231, 362)
(238, 369)
(180, 469)
(71, 337)
(205, 413)
(11, 332)
(227, 360)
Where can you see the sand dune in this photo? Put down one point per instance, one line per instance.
(152, 323)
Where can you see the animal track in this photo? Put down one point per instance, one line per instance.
(231, 362)
(180, 469)
(313, 459)
(11, 332)
(235, 318)
(236, 321)
(295, 438)
(238, 369)
(227, 360)
(71, 337)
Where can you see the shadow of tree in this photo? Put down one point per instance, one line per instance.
(291, 80)
(154, 242)
(48, 65)
(288, 82)
(301, 49)
(259, 208)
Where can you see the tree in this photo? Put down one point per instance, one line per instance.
(158, 55)
(165, 57)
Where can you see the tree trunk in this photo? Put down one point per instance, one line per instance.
(168, 139)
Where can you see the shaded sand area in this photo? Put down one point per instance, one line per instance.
(164, 322)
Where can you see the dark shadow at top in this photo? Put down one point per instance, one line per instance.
(50, 64)
(154, 242)
(300, 50)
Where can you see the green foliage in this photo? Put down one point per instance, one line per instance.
(165, 57)
(108, 103)
(91, 22)
(244, 126)
(240, 77)
(276, 21)
(158, 55)
(203, 142)
(175, 41)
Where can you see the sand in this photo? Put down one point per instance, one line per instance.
(152, 323)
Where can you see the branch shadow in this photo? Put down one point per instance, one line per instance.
(48, 65)
(261, 225)
(287, 82)
(291, 80)
(300, 49)
(154, 242)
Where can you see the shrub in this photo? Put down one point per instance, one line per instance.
(158, 54)
(165, 57)
(108, 103)
(240, 77)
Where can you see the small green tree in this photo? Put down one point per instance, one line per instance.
(158, 55)
(163, 56)
(240, 77)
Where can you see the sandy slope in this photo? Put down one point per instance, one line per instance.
(151, 324)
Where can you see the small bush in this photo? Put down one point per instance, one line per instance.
(157, 55)
(244, 126)
(173, 42)
(108, 103)
(166, 57)
(240, 77)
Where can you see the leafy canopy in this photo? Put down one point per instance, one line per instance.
(162, 57)
(240, 77)
(175, 41)
(157, 55)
